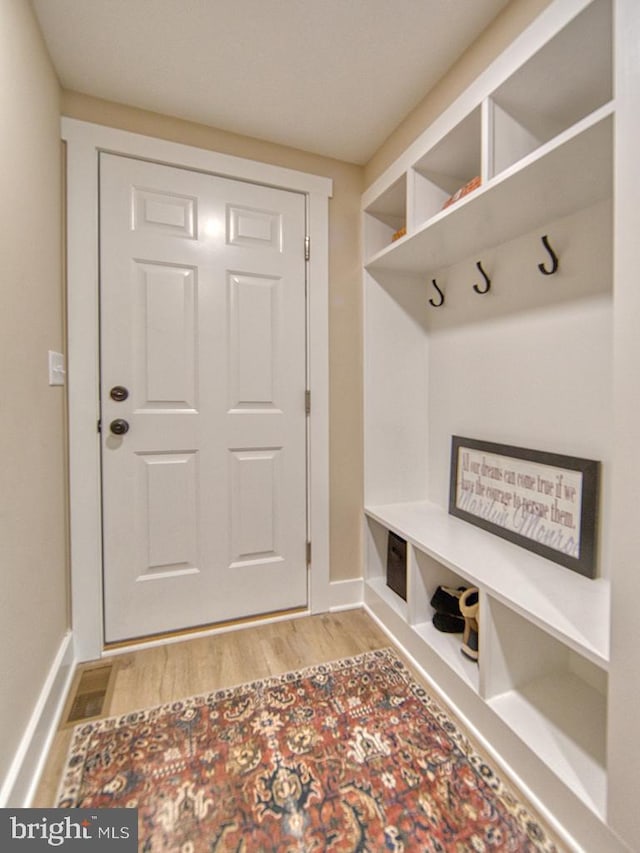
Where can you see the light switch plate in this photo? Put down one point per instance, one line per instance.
(56, 368)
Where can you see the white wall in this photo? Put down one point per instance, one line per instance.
(528, 363)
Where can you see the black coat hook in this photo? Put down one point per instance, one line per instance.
(441, 302)
(552, 255)
(486, 278)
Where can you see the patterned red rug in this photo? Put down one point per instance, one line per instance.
(349, 756)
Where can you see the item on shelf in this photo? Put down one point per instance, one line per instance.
(469, 187)
(448, 624)
(469, 605)
(397, 564)
(446, 599)
(399, 233)
(446, 603)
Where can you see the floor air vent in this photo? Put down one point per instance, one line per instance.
(89, 699)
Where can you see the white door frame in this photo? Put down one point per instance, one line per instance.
(84, 141)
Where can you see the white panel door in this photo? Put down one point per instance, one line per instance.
(203, 319)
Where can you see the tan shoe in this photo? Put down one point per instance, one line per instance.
(469, 605)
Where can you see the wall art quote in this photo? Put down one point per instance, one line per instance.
(545, 502)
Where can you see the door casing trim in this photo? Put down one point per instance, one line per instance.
(84, 141)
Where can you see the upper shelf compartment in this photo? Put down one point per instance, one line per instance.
(386, 218)
(564, 82)
(566, 174)
(443, 175)
(539, 138)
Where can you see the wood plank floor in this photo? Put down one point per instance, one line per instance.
(149, 677)
(142, 679)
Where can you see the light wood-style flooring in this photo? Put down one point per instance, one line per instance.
(176, 670)
(149, 677)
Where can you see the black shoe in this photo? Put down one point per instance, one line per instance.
(446, 599)
(448, 624)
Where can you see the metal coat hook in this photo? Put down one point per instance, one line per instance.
(552, 255)
(441, 302)
(486, 278)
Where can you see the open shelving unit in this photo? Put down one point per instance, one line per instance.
(550, 179)
(540, 130)
(528, 364)
(568, 606)
(543, 627)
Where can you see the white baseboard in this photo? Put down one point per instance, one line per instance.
(22, 779)
(345, 595)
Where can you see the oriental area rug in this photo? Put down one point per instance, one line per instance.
(352, 756)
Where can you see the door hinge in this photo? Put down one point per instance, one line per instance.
(307, 248)
(99, 425)
(308, 553)
(307, 402)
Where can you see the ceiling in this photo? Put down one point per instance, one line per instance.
(333, 77)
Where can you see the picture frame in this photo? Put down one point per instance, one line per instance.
(544, 502)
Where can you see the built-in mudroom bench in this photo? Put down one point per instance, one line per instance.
(544, 634)
(490, 311)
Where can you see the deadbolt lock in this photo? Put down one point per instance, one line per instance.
(119, 393)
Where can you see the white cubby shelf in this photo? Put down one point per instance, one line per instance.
(550, 697)
(545, 185)
(447, 647)
(566, 720)
(570, 607)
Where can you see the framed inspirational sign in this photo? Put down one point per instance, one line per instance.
(544, 502)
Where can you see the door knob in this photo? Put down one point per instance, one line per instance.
(119, 426)
(119, 393)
